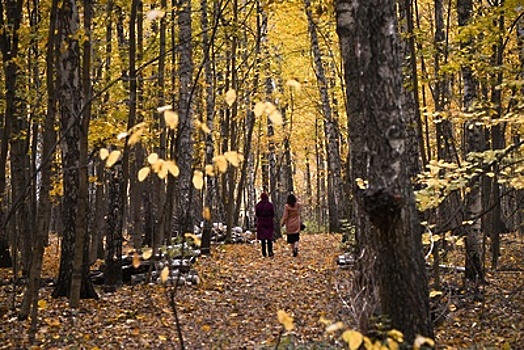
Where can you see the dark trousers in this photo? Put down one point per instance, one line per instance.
(267, 247)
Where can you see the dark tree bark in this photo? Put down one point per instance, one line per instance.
(71, 99)
(30, 302)
(184, 142)
(330, 128)
(113, 258)
(10, 17)
(474, 142)
(370, 48)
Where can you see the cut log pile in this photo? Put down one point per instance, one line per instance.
(172, 264)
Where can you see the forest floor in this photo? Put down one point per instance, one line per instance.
(235, 306)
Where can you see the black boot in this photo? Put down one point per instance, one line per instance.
(263, 242)
(270, 248)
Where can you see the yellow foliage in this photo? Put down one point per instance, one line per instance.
(113, 158)
(171, 119)
(353, 338)
(142, 173)
(231, 97)
(198, 179)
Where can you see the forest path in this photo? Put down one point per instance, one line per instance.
(236, 305)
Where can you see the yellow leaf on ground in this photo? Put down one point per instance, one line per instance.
(42, 304)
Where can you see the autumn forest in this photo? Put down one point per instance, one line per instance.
(137, 136)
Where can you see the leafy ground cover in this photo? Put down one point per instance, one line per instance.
(235, 306)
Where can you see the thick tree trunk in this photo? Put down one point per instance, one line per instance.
(70, 98)
(10, 17)
(370, 51)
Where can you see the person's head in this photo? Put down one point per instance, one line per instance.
(264, 196)
(291, 199)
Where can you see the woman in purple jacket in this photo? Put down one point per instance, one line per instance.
(265, 212)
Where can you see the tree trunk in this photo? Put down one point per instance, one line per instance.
(370, 48)
(330, 127)
(30, 301)
(10, 17)
(113, 259)
(71, 110)
(184, 142)
(473, 135)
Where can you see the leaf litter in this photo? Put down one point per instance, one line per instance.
(237, 302)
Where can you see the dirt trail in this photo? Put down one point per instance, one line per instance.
(242, 292)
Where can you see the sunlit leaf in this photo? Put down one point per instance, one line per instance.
(231, 97)
(259, 109)
(221, 163)
(147, 253)
(332, 328)
(420, 340)
(162, 170)
(361, 183)
(293, 83)
(164, 274)
(171, 119)
(234, 158)
(324, 321)
(269, 108)
(206, 214)
(194, 237)
(392, 344)
(113, 158)
(198, 179)
(353, 338)
(164, 108)
(285, 319)
(157, 166)
(136, 260)
(104, 153)
(152, 158)
(142, 173)
(205, 128)
(276, 118)
(435, 293)
(155, 14)
(210, 170)
(172, 168)
(396, 335)
(122, 135)
(135, 137)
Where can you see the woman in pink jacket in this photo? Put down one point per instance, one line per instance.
(291, 219)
